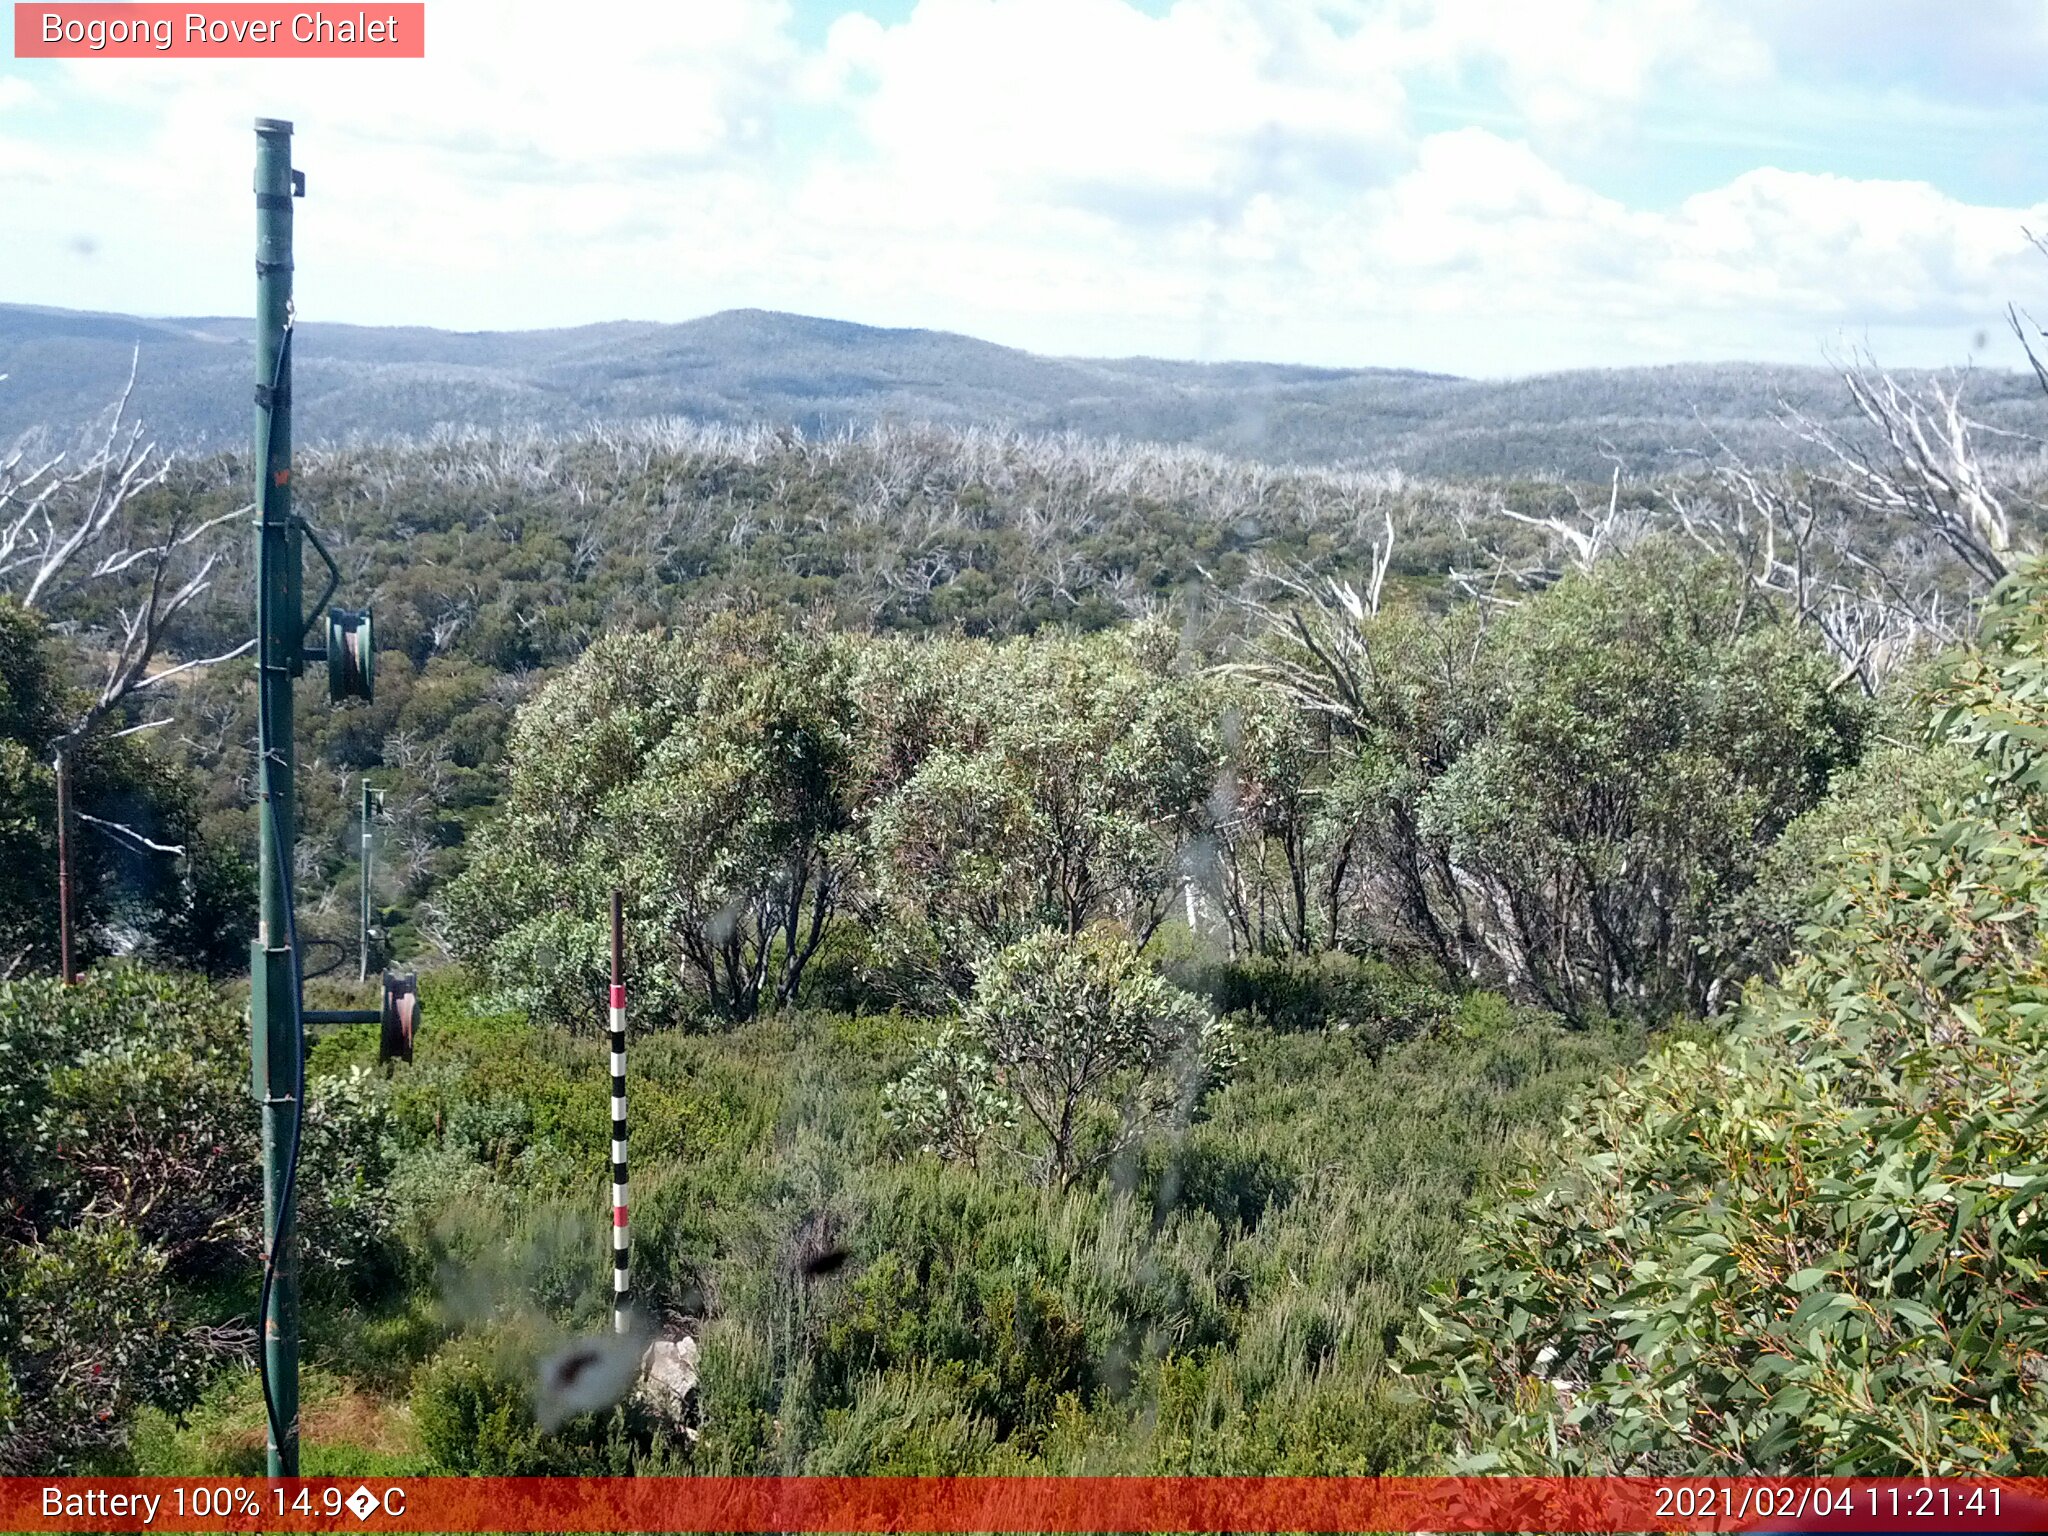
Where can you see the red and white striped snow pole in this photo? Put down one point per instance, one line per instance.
(622, 1282)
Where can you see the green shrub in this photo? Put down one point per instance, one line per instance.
(129, 1159)
(473, 1404)
(1816, 1244)
(736, 1369)
(133, 1105)
(1327, 1423)
(45, 1027)
(1071, 1041)
(906, 1426)
(221, 1433)
(1759, 926)
(90, 1333)
(475, 1412)
(1006, 1345)
(155, 1129)
(1483, 1016)
(1373, 1001)
(1234, 1183)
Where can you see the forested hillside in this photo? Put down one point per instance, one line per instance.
(1141, 960)
(760, 368)
(491, 561)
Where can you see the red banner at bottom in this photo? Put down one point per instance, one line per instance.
(1065, 1504)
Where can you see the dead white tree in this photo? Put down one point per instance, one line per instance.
(1799, 555)
(1919, 461)
(1314, 647)
(1853, 561)
(69, 526)
(1585, 540)
(1878, 551)
(1925, 467)
(1574, 543)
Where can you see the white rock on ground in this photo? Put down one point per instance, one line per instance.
(668, 1376)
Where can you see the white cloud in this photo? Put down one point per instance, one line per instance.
(1575, 66)
(514, 89)
(1242, 177)
(1985, 49)
(1849, 250)
(1092, 104)
(1488, 225)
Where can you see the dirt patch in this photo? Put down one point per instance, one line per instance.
(342, 1417)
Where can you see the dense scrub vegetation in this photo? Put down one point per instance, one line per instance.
(132, 1206)
(1103, 925)
(1815, 1241)
(1212, 1272)
(491, 562)
(1562, 803)
(1223, 1296)
(1711, 1271)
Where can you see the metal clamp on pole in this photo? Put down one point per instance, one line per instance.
(395, 1020)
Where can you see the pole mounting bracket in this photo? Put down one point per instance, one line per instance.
(333, 578)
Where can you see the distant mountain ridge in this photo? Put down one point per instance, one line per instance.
(751, 365)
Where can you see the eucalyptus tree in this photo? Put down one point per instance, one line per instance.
(1265, 819)
(1811, 1242)
(1647, 738)
(1064, 784)
(706, 774)
(1070, 1049)
(1559, 795)
(83, 541)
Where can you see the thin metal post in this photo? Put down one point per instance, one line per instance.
(277, 1041)
(622, 1279)
(63, 767)
(363, 973)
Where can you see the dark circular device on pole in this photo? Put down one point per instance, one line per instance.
(350, 664)
(401, 1015)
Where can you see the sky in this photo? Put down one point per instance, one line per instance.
(1484, 187)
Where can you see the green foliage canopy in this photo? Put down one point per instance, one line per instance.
(189, 909)
(705, 775)
(747, 786)
(1075, 1036)
(127, 1134)
(1817, 1243)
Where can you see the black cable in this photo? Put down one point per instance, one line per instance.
(284, 885)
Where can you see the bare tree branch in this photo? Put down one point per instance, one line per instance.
(122, 829)
(1317, 651)
(69, 526)
(1928, 473)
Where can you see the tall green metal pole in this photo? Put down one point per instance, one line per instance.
(276, 1038)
